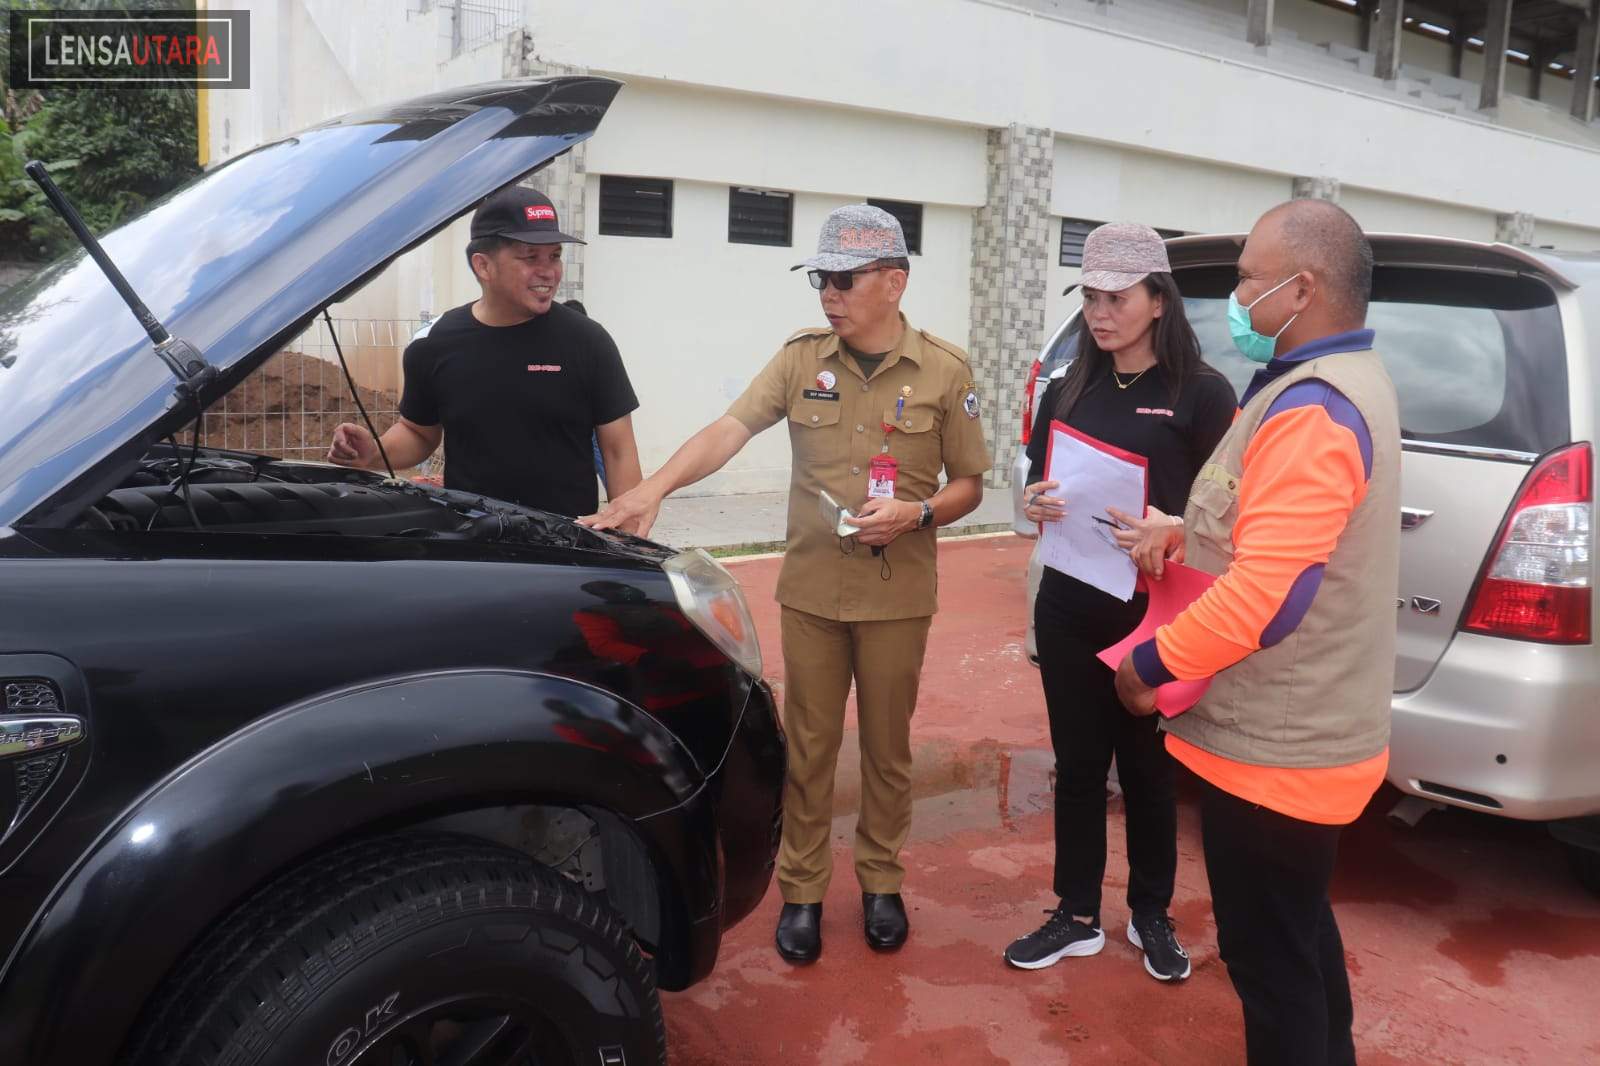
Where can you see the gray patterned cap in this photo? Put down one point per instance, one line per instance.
(1119, 255)
(856, 235)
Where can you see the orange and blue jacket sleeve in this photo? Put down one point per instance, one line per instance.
(1305, 470)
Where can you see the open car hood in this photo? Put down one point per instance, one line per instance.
(238, 262)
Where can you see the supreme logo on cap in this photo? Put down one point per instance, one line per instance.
(540, 213)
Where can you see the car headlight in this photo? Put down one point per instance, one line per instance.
(711, 599)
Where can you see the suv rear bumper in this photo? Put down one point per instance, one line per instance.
(1503, 726)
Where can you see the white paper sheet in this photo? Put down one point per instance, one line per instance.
(1090, 481)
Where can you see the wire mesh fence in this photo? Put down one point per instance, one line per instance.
(291, 404)
(477, 22)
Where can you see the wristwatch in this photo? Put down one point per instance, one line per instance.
(926, 519)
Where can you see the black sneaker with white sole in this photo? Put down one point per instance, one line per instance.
(1059, 938)
(1164, 957)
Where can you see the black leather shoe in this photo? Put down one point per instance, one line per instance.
(885, 916)
(800, 932)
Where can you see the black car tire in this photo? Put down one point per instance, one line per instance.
(413, 949)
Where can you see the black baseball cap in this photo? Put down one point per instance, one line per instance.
(520, 214)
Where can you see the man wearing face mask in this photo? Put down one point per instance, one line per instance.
(1295, 513)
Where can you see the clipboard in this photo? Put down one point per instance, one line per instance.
(1095, 476)
(1100, 446)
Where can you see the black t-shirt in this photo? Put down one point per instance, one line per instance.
(518, 404)
(1175, 439)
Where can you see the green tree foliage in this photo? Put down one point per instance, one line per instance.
(15, 112)
(111, 146)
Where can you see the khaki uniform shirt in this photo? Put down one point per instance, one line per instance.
(836, 418)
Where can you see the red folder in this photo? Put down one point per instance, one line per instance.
(1179, 587)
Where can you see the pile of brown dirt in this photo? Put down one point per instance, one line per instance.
(290, 407)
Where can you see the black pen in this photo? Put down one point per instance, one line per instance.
(1105, 521)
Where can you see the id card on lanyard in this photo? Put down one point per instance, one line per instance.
(881, 474)
(884, 468)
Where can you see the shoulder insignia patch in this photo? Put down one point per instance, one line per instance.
(969, 403)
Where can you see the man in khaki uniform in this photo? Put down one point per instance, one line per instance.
(869, 388)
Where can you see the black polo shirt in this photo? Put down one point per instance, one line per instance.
(518, 404)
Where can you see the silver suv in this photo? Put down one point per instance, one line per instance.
(1495, 353)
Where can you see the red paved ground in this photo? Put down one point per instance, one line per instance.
(1467, 942)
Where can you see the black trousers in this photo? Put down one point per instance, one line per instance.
(1088, 724)
(1269, 878)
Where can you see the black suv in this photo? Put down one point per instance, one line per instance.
(305, 765)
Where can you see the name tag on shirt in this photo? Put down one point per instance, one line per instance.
(818, 394)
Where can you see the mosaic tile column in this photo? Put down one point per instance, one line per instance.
(563, 179)
(1514, 228)
(1322, 188)
(1010, 261)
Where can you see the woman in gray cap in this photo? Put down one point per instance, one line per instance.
(1137, 382)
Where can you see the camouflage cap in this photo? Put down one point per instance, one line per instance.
(1119, 255)
(856, 235)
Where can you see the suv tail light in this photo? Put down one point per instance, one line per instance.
(1538, 584)
(1027, 400)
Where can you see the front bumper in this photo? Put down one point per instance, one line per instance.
(722, 844)
(749, 785)
(1503, 726)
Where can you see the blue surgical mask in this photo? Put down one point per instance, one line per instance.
(1256, 347)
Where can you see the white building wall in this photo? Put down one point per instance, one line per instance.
(696, 317)
(1386, 212)
(665, 129)
(1555, 235)
(841, 100)
(983, 64)
(1316, 23)
(315, 59)
(329, 58)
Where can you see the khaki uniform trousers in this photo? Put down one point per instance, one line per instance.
(820, 656)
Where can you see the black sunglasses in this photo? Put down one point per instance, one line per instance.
(842, 280)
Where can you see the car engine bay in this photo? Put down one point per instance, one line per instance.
(236, 492)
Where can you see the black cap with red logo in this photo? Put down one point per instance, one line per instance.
(520, 214)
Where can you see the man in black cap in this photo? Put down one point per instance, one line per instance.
(517, 382)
